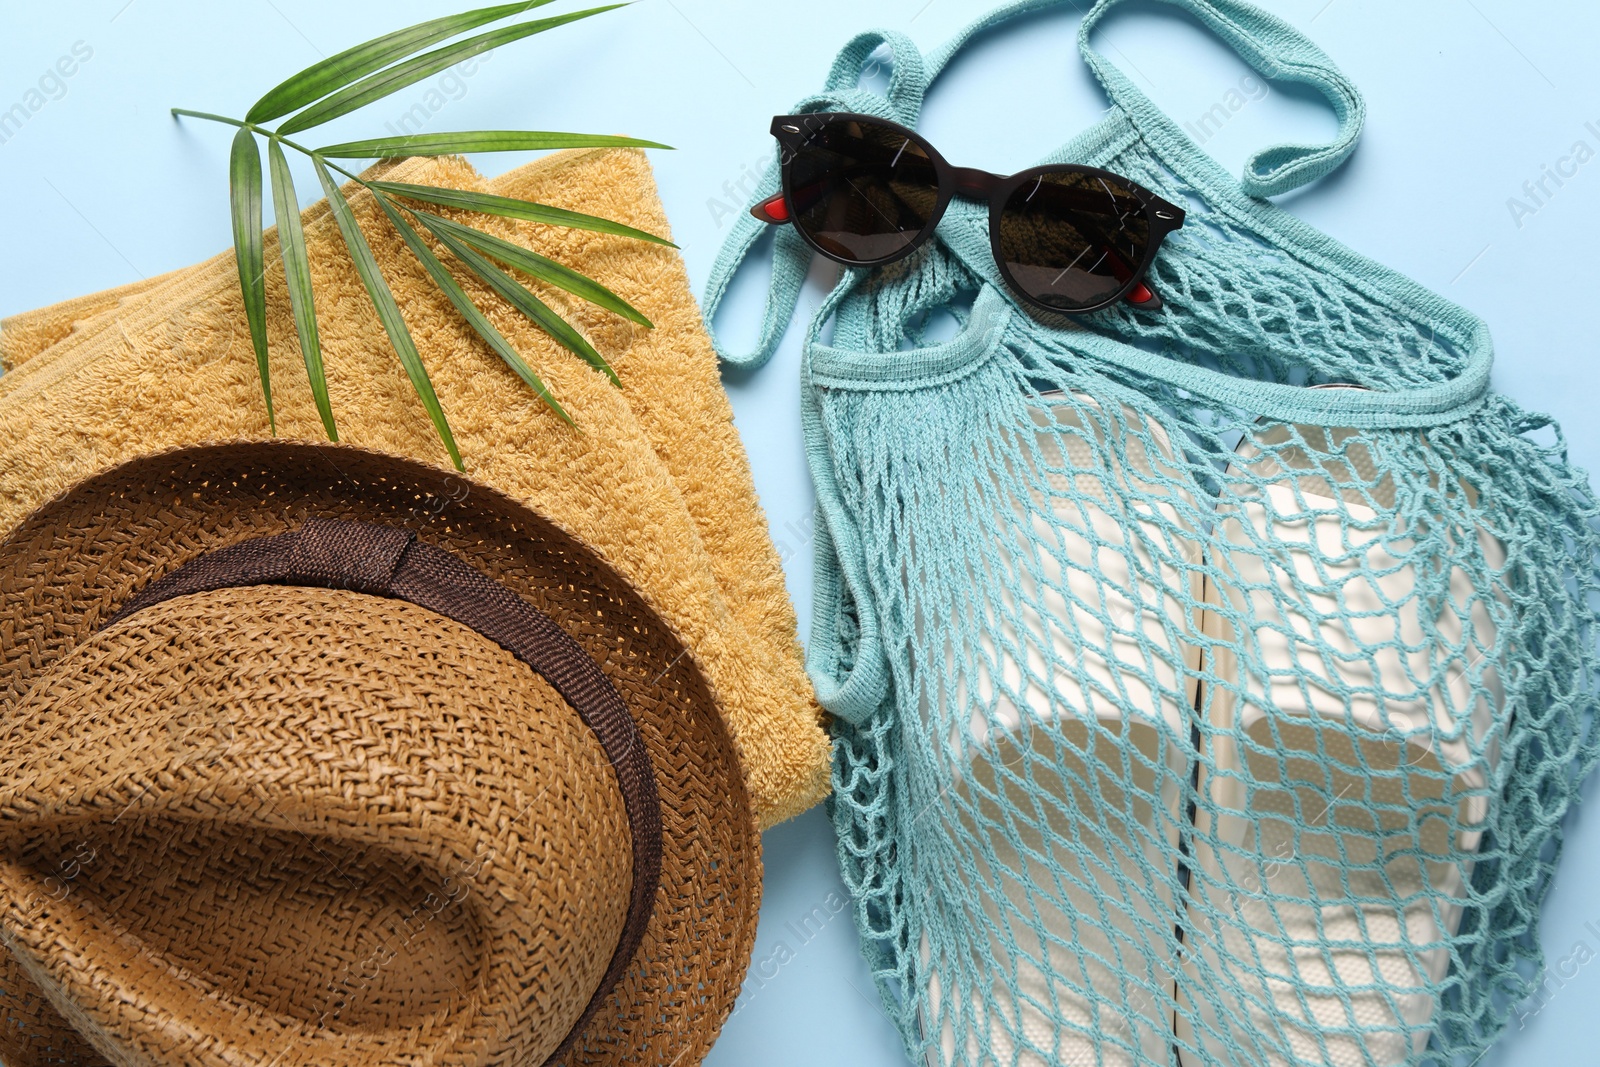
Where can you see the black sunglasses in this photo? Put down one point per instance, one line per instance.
(865, 191)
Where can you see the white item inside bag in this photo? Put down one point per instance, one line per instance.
(1358, 732)
(1084, 883)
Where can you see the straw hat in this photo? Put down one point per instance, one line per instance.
(297, 769)
(655, 487)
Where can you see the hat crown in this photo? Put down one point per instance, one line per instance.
(308, 744)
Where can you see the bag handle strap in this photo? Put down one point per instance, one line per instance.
(1273, 47)
(1277, 51)
(855, 691)
(791, 257)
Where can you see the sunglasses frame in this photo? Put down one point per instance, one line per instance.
(793, 131)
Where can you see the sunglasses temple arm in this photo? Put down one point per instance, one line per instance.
(1142, 295)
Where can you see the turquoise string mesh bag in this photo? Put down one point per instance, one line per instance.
(1210, 682)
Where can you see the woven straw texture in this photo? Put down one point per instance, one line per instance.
(199, 861)
(657, 481)
(331, 785)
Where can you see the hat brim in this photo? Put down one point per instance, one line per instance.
(71, 565)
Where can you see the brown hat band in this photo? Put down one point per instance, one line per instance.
(391, 562)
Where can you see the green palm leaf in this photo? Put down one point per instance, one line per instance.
(397, 77)
(335, 72)
(244, 195)
(351, 80)
(518, 297)
(511, 208)
(297, 272)
(450, 144)
(537, 266)
(467, 309)
(394, 324)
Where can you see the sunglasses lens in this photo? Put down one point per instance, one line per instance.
(1072, 240)
(861, 191)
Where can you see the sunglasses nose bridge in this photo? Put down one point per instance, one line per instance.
(974, 184)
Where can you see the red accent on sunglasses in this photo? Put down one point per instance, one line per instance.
(774, 210)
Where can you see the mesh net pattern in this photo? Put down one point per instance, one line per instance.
(1211, 739)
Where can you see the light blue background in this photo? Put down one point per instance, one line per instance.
(1468, 100)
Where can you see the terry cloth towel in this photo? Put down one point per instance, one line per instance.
(655, 479)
